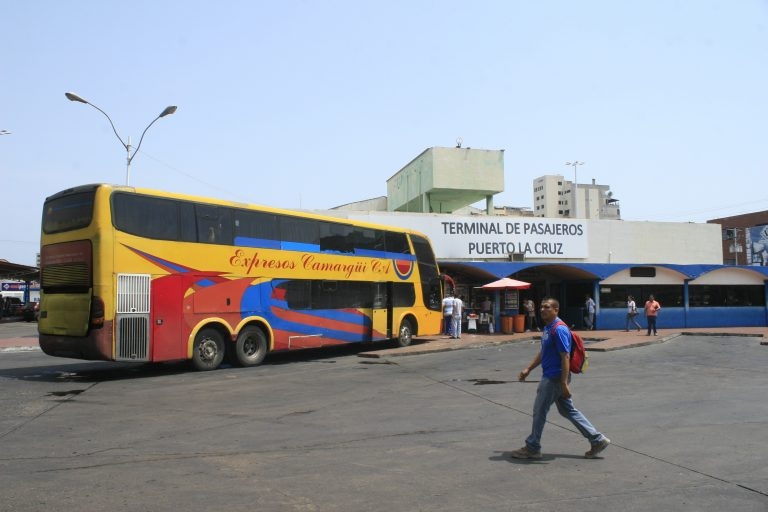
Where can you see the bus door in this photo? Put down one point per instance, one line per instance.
(381, 325)
(168, 301)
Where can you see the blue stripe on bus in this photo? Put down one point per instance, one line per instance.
(299, 246)
(384, 254)
(257, 300)
(259, 243)
(264, 243)
(162, 262)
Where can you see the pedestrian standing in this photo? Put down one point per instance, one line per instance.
(458, 308)
(589, 308)
(486, 319)
(554, 358)
(530, 316)
(652, 308)
(448, 314)
(631, 313)
(485, 307)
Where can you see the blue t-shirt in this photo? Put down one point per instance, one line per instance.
(552, 344)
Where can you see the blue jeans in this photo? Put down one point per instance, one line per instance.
(651, 324)
(548, 393)
(633, 319)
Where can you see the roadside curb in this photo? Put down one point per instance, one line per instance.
(27, 343)
(431, 347)
(592, 343)
(22, 348)
(610, 346)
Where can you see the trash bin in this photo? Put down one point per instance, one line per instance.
(507, 324)
(519, 323)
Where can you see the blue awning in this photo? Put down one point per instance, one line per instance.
(599, 271)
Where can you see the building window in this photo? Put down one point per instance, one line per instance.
(722, 295)
(642, 272)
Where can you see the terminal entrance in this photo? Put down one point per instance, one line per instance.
(567, 284)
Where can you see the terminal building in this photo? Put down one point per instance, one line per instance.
(566, 248)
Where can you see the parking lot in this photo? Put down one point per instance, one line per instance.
(329, 430)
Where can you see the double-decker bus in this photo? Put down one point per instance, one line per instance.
(131, 274)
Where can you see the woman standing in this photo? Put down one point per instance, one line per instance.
(631, 313)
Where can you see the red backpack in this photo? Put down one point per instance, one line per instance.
(579, 359)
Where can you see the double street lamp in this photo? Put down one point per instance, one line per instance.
(129, 156)
(575, 188)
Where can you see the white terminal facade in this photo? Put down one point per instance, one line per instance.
(434, 192)
(565, 249)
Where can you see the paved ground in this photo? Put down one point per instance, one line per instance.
(329, 431)
(597, 341)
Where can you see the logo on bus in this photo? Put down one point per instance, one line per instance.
(403, 268)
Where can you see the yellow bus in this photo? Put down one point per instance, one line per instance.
(130, 274)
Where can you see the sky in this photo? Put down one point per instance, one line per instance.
(314, 104)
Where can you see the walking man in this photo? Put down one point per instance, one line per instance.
(554, 359)
(631, 313)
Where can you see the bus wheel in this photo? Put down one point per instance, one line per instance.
(405, 334)
(208, 352)
(251, 346)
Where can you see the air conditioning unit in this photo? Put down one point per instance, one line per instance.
(517, 256)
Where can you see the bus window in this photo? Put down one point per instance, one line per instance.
(336, 237)
(298, 293)
(396, 242)
(297, 233)
(256, 229)
(214, 224)
(368, 240)
(187, 224)
(149, 217)
(404, 295)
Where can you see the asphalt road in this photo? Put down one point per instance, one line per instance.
(331, 431)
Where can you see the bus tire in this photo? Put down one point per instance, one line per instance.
(208, 350)
(405, 334)
(251, 346)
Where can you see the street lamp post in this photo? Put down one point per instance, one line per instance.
(129, 156)
(575, 188)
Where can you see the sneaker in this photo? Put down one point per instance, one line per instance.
(597, 448)
(525, 453)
